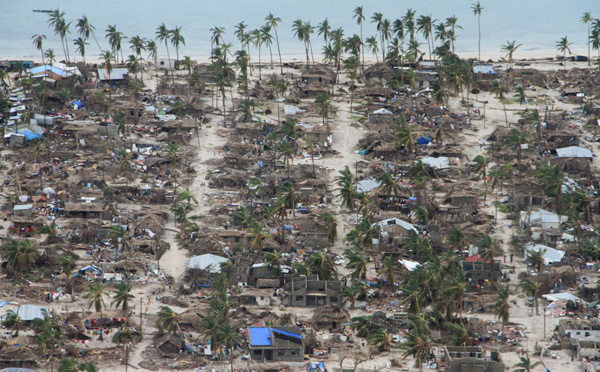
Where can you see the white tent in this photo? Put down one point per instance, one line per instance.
(564, 296)
(208, 262)
(573, 152)
(437, 163)
(550, 254)
(292, 110)
(410, 265)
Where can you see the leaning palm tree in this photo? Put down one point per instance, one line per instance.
(491, 248)
(417, 345)
(381, 338)
(563, 46)
(347, 188)
(330, 226)
(13, 321)
(481, 166)
(95, 294)
(477, 8)
(80, 44)
(536, 259)
(167, 321)
(85, 29)
(518, 138)
(357, 262)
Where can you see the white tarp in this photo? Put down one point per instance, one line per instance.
(541, 218)
(208, 262)
(382, 111)
(550, 254)
(437, 163)
(367, 185)
(410, 265)
(291, 110)
(564, 296)
(574, 152)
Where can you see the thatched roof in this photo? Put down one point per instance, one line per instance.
(17, 354)
(319, 70)
(330, 313)
(169, 344)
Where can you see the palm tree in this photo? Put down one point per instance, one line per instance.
(417, 345)
(163, 34)
(167, 321)
(372, 45)
(13, 321)
(273, 22)
(323, 29)
(68, 263)
(300, 33)
(452, 23)
(498, 90)
(95, 294)
(381, 338)
(188, 196)
(536, 259)
(490, 249)
(481, 166)
(210, 327)
(119, 233)
(477, 8)
(114, 39)
(521, 96)
(19, 255)
(459, 334)
(177, 39)
(357, 261)
(532, 289)
(274, 260)
(407, 139)
(121, 296)
(351, 66)
(425, 26)
(56, 19)
(350, 292)
(362, 325)
(80, 44)
(347, 188)
(289, 195)
(360, 19)
(329, 226)
(324, 108)
(389, 268)
(267, 39)
(525, 364)
(518, 138)
(216, 37)
(421, 214)
(590, 248)
(321, 264)
(389, 186)
(152, 49)
(38, 43)
(563, 46)
(258, 234)
(587, 19)
(85, 29)
(510, 48)
(378, 19)
(502, 307)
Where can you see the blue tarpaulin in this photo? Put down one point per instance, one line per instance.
(29, 134)
(423, 140)
(259, 336)
(295, 335)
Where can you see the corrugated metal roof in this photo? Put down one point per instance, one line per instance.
(28, 312)
(259, 336)
(23, 207)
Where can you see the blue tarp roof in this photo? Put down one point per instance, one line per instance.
(295, 335)
(259, 336)
(29, 134)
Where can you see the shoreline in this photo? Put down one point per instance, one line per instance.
(528, 56)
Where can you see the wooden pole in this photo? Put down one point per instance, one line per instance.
(141, 307)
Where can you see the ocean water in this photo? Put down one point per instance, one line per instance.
(536, 24)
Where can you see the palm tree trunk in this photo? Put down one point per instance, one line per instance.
(505, 114)
(279, 51)
(169, 58)
(259, 67)
(311, 52)
(271, 52)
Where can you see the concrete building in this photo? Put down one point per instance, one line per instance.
(305, 292)
(471, 359)
(276, 344)
(476, 269)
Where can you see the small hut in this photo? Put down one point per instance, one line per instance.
(21, 357)
(330, 317)
(318, 74)
(169, 344)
